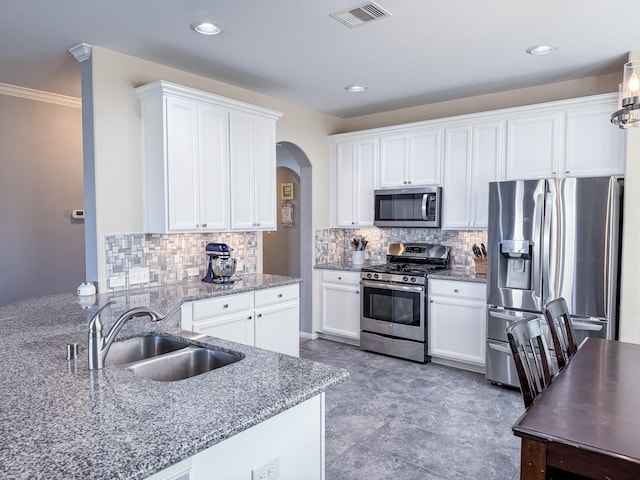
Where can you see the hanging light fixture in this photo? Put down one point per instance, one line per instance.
(629, 101)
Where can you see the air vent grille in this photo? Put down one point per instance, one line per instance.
(366, 13)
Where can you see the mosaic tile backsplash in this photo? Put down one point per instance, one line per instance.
(334, 245)
(169, 256)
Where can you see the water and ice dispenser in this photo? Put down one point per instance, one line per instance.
(514, 264)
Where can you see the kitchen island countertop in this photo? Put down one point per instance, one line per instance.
(61, 420)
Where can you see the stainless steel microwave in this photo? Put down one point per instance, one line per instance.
(408, 207)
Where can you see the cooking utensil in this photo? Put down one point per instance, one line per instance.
(484, 250)
(476, 251)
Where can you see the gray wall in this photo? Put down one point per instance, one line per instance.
(281, 249)
(41, 247)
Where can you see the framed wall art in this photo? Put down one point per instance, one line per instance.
(286, 191)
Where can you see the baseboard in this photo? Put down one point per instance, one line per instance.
(338, 338)
(457, 364)
(310, 336)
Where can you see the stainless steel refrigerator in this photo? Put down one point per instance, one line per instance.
(551, 238)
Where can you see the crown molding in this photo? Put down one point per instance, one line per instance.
(48, 97)
(81, 52)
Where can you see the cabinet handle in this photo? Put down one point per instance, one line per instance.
(204, 225)
(339, 278)
(554, 173)
(226, 305)
(279, 295)
(197, 225)
(455, 290)
(259, 315)
(567, 172)
(409, 182)
(249, 317)
(430, 301)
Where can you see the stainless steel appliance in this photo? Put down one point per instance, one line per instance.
(393, 312)
(408, 207)
(221, 265)
(551, 238)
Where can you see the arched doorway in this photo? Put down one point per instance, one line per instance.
(278, 247)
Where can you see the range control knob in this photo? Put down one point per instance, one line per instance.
(368, 275)
(413, 279)
(375, 275)
(405, 279)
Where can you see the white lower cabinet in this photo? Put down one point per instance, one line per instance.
(340, 303)
(457, 323)
(292, 443)
(268, 318)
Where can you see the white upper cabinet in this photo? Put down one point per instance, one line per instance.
(594, 147)
(473, 157)
(188, 185)
(411, 159)
(570, 138)
(354, 174)
(253, 173)
(533, 145)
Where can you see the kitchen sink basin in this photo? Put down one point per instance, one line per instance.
(185, 363)
(140, 348)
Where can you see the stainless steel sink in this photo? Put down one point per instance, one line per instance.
(185, 363)
(139, 348)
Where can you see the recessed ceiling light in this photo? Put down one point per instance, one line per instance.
(541, 49)
(355, 88)
(205, 28)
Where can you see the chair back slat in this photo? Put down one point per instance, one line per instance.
(559, 321)
(531, 356)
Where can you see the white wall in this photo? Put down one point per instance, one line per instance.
(118, 142)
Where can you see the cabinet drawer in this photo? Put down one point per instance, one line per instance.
(340, 276)
(451, 288)
(269, 296)
(204, 309)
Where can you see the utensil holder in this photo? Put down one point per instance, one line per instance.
(357, 257)
(481, 266)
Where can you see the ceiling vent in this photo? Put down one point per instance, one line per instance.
(365, 13)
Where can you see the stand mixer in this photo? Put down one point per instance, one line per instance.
(221, 266)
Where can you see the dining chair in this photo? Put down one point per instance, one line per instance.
(531, 356)
(561, 329)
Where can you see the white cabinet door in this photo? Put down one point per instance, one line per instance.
(394, 153)
(425, 159)
(457, 326)
(277, 328)
(236, 328)
(354, 169)
(487, 158)
(213, 169)
(253, 185)
(340, 303)
(594, 147)
(183, 172)
(533, 145)
(457, 158)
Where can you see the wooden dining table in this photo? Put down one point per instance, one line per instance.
(587, 422)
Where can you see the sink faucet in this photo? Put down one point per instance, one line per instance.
(99, 345)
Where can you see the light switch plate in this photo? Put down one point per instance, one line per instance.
(117, 281)
(138, 275)
(269, 470)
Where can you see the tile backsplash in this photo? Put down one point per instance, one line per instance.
(169, 256)
(334, 244)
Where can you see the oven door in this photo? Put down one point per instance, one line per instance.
(392, 309)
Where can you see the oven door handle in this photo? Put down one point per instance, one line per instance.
(392, 286)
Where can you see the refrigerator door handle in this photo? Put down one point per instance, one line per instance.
(500, 348)
(592, 327)
(539, 244)
(546, 249)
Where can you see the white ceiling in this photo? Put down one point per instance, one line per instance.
(427, 51)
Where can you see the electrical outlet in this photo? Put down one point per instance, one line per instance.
(193, 272)
(118, 281)
(138, 275)
(140, 300)
(269, 470)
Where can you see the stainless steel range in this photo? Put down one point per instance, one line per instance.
(393, 312)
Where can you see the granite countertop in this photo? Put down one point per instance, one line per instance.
(459, 275)
(60, 420)
(346, 266)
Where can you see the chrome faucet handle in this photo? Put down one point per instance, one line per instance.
(95, 324)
